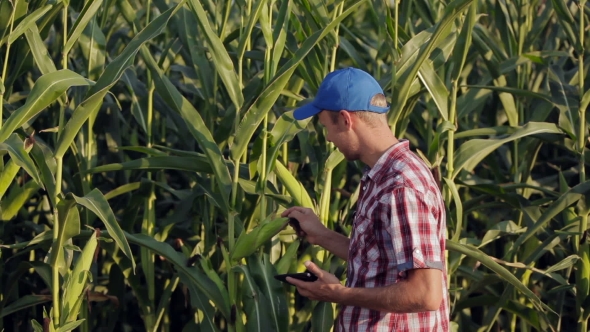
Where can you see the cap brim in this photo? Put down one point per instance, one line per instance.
(306, 111)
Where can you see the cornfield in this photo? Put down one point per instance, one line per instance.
(149, 148)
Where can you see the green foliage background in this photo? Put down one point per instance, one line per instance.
(149, 147)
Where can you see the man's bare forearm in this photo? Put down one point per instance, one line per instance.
(421, 293)
(335, 243)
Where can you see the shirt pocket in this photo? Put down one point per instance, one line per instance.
(364, 244)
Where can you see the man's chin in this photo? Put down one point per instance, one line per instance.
(349, 158)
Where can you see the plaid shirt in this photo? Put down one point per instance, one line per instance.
(399, 225)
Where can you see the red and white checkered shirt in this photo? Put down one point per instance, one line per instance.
(399, 225)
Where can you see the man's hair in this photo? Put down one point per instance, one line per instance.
(370, 118)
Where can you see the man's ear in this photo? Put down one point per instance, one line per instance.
(346, 118)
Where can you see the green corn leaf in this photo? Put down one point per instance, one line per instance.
(288, 257)
(76, 284)
(472, 152)
(284, 130)
(199, 300)
(39, 51)
(154, 152)
(11, 283)
(190, 276)
(436, 87)
(128, 13)
(508, 102)
(564, 201)
(165, 299)
(115, 69)
(281, 29)
(334, 159)
(498, 269)
(71, 326)
(113, 72)
(189, 164)
(45, 91)
(219, 55)
(490, 131)
(567, 21)
(36, 326)
(400, 97)
(317, 12)
(24, 302)
(514, 91)
(564, 264)
(322, 317)
(146, 256)
(562, 11)
(461, 48)
(263, 272)
(19, 154)
(248, 243)
(250, 188)
(69, 226)
(126, 188)
(97, 203)
(253, 118)
(19, 158)
(130, 278)
(530, 315)
(246, 34)
(265, 27)
(503, 227)
(130, 79)
(46, 318)
(43, 157)
(476, 301)
(41, 238)
(196, 125)
(86, 15)
(7, 176)
(16, 199)
(6, 17)
(293, 186)
(25, 24)
(254, 301)
(198, 57)
(93, 46)
(262, 105)
(213, 276)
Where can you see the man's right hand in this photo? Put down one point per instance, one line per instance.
(310, 226)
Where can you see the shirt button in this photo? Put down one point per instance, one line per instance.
(417, 251)
(364, 187)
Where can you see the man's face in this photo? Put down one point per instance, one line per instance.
(339, 133)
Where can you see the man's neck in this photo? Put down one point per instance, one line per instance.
(374, 145)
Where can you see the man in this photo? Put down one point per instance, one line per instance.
(396, 276)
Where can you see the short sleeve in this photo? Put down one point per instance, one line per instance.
(415, 230)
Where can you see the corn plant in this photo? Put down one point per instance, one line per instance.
(149, 148)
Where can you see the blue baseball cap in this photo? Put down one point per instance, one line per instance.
(349, 89)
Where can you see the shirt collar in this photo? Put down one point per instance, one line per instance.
(393, 152)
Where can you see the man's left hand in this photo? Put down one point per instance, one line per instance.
(326, 288)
